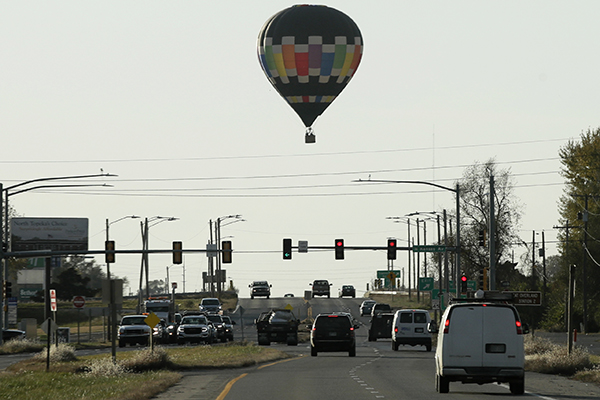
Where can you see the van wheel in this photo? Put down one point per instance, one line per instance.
(428, 347)
(517, 387)
(442, 384)
(352, 352)
(313, 351)
(394, 345)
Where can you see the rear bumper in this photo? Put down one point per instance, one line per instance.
(483, 374)
(412, 341)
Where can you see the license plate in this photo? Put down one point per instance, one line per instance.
(332, 333)
(419, 330)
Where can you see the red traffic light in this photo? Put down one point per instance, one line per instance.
(339, 243)
(463, 278)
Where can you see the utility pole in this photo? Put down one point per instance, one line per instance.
(492, 235)
(585, 256)
(543, 253)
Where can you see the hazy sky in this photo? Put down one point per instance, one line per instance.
(170, 97)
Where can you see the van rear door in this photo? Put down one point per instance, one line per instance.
(464, 340)
(502, 346)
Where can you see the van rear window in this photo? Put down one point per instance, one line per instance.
(406, 318)
(420, 318)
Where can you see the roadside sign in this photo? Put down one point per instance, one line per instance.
(526, 298)
(386, 273)
(425, 283)
(289, 307)
(472, 285)
(151, 320)
(174, 285)
(53, 306)
(429, 248)
(78, 301)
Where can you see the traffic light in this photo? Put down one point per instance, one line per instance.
(177, 253)
(287, 249)
(109, 245)
(482, 238)
(226, 253)
(463, 283)
(480, 284)
(391, 249)
(339, 249)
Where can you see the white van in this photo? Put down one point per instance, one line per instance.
(411, 327)
(480, 343)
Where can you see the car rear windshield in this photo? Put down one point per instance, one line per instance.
(321, 283)
(260, 283)
(210, 302)
(420, 318)
(214, 318)
(406, 318)
(333, 322)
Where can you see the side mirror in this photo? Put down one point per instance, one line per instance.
(433, 328)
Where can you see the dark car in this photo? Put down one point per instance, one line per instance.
(366, 307)
(381, 326)
(12, 334)
(333, 332)
(380, 307)
(217, 322)
(210, 305)
(348, 290)
(228, 323)
(279, 325)
(260, 289)
(320, 287)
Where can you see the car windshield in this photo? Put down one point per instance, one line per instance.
(368, 303)
(133, 321)
(321, 283)
(214, 318)
(285, 315)
(227, 320)
(260, 283)
(157, 308)
(210, 302)
(199, 320)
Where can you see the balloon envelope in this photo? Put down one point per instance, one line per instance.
(309, 54)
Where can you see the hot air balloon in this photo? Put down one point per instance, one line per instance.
(309, 53)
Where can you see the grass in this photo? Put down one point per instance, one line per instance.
(137, 375)
(541, 355)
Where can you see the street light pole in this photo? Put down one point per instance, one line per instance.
(4, 240)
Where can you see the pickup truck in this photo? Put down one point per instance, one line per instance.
(321, 287)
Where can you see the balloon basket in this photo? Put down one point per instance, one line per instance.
(310, 137)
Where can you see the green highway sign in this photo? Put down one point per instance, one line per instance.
(386, 274)
(425, 283)
(430, 248)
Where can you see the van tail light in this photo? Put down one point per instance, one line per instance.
(519, 327)
(447, 326)
(396, 329)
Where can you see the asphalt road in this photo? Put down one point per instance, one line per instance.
(376, 372)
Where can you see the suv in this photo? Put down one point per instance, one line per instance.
(348, 290)
(228, 323)
(321, 288)
(194, 328)
(480, 342)
(278, 325)
(133, 330)
(210, 305)
(260, 289)
(381, 326)
(333, 332)
(411, 327)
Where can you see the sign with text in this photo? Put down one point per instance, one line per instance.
(57, 234)
(429, 248)
(527, 298)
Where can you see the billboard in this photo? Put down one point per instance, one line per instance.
(56, 234)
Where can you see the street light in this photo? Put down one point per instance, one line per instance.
(456, 191)
(112, 307)
(218, 225)
(145, 225)
(5, 193)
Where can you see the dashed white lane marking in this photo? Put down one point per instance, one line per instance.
(354, 375)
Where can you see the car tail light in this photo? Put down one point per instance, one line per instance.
(447, 326)
(519, 327)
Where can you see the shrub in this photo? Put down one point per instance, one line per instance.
(549, 358)
(63, 352)
(20, 346)
(105, 367)
(146, 360)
